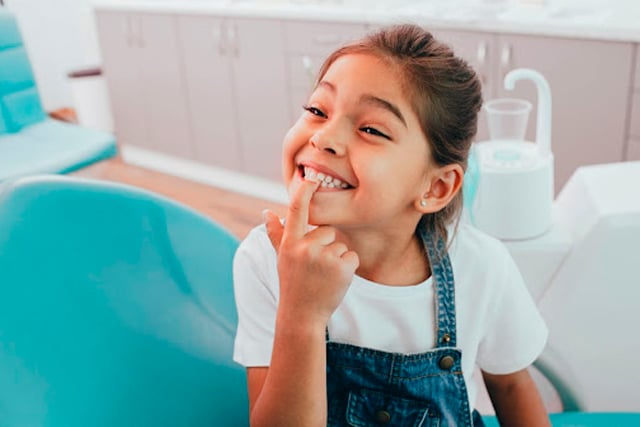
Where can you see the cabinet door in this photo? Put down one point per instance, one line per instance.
(163, 85)
(478, 49)
(118, 34)
(209, 84)
(260, 76)
(589, 82)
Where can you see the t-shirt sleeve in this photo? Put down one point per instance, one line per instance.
(255, 287)
(516, 332)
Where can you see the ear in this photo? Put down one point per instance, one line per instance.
(441, 187)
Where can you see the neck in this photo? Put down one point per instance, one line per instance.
(392, 257)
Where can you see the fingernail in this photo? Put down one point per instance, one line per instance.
(264, 214)
(311, 178)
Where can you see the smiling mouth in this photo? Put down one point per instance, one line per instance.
(326, 180)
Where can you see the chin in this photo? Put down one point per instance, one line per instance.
(316, 218)
(320, 216)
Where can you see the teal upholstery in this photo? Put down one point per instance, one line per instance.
(52, 146)
(19, 100)
(116, 309)
(585, 419)
(29, 142)
(470, 183)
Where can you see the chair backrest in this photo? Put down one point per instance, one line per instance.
(116, 309)
(19, 100)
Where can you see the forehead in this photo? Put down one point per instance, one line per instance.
(366, 73)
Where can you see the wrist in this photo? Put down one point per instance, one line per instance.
(300, 321)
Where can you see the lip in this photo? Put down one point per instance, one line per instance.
(325, 170)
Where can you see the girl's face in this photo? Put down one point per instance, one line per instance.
(360, 135)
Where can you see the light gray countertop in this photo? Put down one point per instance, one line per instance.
(613, 20)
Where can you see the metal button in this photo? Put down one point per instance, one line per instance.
(383, 417)
(446, 362)
(446, 338)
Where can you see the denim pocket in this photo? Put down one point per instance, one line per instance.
(372, 408)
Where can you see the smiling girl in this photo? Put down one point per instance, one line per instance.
(370, 304)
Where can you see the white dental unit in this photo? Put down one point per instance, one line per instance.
(578, 255)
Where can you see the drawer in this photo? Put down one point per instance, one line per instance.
(320, 38)
(633, 149)
(634, 123)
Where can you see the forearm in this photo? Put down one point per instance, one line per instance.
(294, 391)
(516, 400)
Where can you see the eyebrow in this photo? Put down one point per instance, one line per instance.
(379, 102)
(372, 100)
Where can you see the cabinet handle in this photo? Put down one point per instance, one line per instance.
(232, 38)
(326, 39)
(308, 68)
(481, 59)
(137, 39)
(481, 53)
(216, 33)
(505, 56)
(127, 29)
(133, 32)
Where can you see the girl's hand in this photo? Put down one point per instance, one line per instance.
(315, 270)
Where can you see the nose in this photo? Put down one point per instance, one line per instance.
(329, 139)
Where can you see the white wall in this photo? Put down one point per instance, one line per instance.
(60, 37)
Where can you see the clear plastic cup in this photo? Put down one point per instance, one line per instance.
(507, 118)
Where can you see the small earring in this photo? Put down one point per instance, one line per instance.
(423, 203)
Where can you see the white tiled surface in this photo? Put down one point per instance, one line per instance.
(593, 19)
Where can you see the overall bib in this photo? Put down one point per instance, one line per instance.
(367, 387)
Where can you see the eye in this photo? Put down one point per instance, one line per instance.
(315, 111)
(374, 132)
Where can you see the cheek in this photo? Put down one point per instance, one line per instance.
(290, 147)
(390, 177)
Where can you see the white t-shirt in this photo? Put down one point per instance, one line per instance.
(499, 328)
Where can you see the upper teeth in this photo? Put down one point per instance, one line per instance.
(325, 180)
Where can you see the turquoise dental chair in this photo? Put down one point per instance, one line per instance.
(116, 309)
(30, 142)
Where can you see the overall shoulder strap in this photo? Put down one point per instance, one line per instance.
(443, 285)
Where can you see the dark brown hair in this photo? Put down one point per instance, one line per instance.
(444, 92)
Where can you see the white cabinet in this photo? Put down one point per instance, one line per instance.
(208, 75)
(120, 48)
(141, 60)
(224, 90)
(260, 85)
(236, 83)
(212, 89)
(589, 83)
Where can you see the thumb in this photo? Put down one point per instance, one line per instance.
(274, 228)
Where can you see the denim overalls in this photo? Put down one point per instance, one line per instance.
(367, 387)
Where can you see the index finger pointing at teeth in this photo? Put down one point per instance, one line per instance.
(298, 214)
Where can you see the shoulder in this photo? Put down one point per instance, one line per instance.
(255, 257)
(256, 245)
(477, 250)
(493, 302)
(483, 266)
